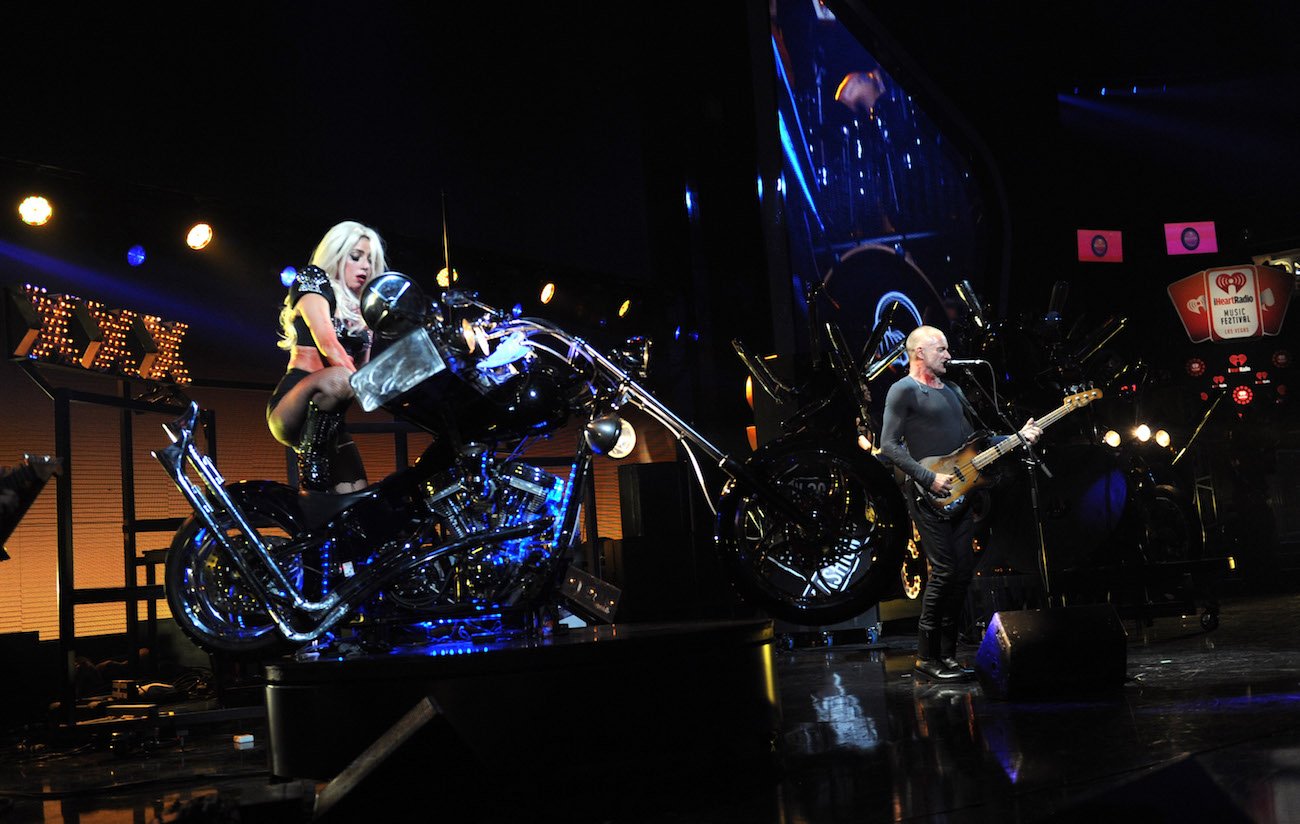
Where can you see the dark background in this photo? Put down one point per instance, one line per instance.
(562, 137)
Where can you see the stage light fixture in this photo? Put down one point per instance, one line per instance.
(623, 307)
(35, 211)
(749, 391)
(68, 331)
(84, 333)
(23, 323)
(1142, 432)
(199, 236)
(1111, 439)
(445, 279)
(138, 346)
(135, 255)
(548, 292)
(287, 274)
(1162, 438)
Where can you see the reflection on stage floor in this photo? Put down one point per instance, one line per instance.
(1204, 728)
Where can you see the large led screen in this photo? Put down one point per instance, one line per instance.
(873, 202)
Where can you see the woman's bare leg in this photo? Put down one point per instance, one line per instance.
(329, 388)
(294, 421)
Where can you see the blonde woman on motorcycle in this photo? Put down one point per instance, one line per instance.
(322, 329)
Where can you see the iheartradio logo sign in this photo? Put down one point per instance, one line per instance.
(1232, 302)
(1233, 281)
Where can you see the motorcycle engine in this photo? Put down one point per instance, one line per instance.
(480, 494)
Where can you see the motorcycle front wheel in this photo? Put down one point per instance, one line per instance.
(208, 596)
(823, 575)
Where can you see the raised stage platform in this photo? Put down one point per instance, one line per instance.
(505, 722)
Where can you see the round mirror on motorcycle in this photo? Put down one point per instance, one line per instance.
(634, 356)
(611, 436)
(392, 304)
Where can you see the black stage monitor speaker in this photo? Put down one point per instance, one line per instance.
(652, 500)
(1060, 652)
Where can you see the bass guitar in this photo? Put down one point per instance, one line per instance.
(966, 465)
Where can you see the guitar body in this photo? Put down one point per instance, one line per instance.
(967, 463)
(966, 478)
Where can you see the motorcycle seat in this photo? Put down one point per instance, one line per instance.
(319, 508)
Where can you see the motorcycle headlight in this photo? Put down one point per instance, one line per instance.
(392, 304)
(612, 436)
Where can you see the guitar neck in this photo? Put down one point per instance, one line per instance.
(1001, 448)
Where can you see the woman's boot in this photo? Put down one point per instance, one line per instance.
(316, 448)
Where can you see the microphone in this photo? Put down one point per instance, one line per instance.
(966, 362)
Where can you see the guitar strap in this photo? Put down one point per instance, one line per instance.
(972, 416)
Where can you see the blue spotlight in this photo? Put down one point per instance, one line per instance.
(135, 255)
(516, 310)
(287, 274)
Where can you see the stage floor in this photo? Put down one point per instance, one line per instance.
(1205, 728)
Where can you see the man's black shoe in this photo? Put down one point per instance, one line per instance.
(936, 670)
(954, 664)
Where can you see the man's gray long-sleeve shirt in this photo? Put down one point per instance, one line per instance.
(922, 422)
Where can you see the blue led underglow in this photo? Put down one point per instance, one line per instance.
(1254, 702)
(135, 255)
(287, 274)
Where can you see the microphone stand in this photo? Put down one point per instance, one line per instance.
(1033, 462)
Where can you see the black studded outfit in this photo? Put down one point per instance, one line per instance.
(343, 456)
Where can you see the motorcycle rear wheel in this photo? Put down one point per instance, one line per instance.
(829, 575)
(208, 597)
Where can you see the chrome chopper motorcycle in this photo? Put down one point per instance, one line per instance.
(809, 532)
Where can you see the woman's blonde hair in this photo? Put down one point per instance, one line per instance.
(329, 256)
